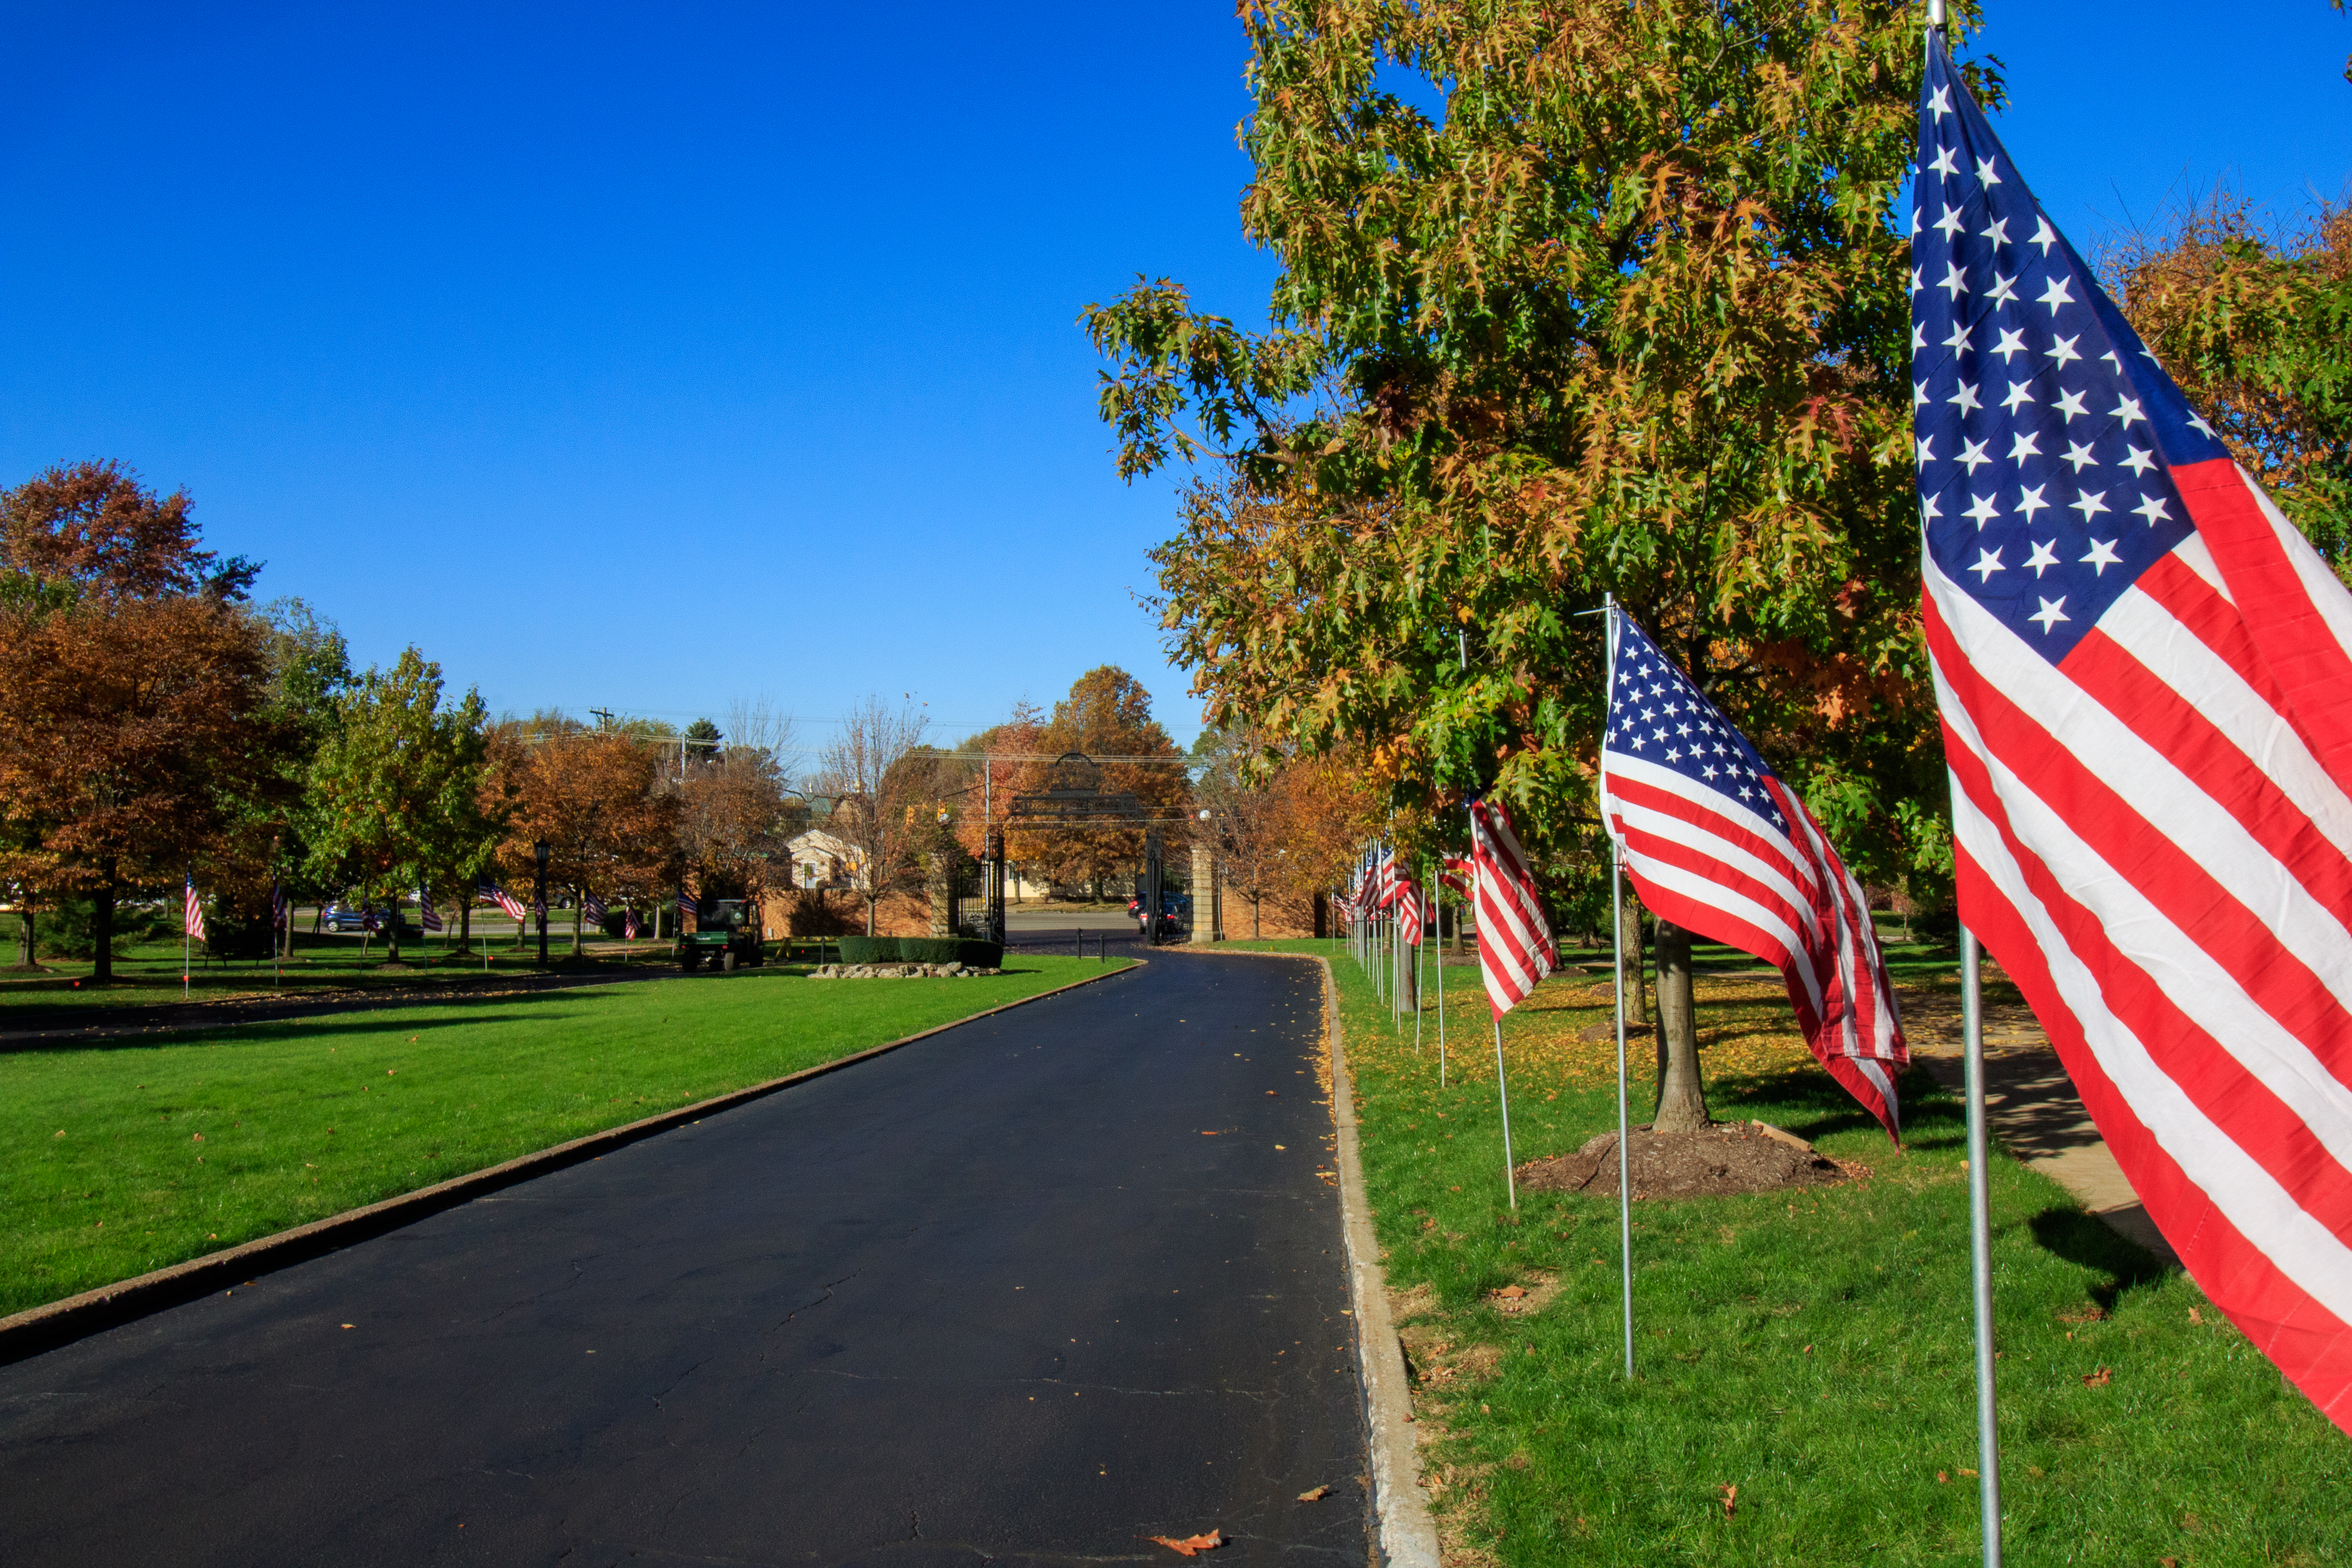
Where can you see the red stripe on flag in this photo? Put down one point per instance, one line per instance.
(2308, 1343)
(2296, 642)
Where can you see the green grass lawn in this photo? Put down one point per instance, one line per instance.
(1812, 1352)
(127, 1155)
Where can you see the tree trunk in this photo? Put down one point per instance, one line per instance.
(25, 924)
(578, 922)
(1637, 1005)
(101, 923)
(1254, 933)
(1681, 1097)
(466, 926)
(869, 916)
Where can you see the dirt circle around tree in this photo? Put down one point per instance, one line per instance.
(1724, 1158)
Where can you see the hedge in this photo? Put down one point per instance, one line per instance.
(921, 950)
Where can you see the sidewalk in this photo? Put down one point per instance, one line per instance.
(2031, 1105)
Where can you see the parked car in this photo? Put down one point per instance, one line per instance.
(342, 917)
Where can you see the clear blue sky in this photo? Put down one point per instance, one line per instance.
(655, 357)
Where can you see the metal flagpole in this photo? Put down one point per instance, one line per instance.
(1510, 1180)
(1617, 933)
(1980, 1251)
(1441, 1002)
(1980, 1186)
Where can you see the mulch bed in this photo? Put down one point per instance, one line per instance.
(1728, 1157)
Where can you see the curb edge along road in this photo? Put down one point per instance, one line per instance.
(46, 1328)
(1408, 1536)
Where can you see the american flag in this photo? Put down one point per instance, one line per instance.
(1408, 910)
(686, 904)
(629, 924)
(491, 893)
(2152, 772)
(1715, 843)
(278, 910)
(1456, 872)
(594, 908)
(428, 916)
(1515, 946)
(193, 923)
(368, 921)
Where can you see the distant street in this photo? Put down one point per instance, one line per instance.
(1037, 1288)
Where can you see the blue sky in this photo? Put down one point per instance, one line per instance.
(653, 359)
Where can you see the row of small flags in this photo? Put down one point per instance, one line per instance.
(430, 915)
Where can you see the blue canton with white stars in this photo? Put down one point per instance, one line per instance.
(1655, 713)
(2044, 427)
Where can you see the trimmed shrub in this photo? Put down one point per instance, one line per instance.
(921, 949)
(869, 949)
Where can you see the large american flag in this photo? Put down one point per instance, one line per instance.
(1715, 843)
(2149, 771)
(1515, 944)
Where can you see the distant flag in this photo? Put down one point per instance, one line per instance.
(1409, 912)
(686, 904)
(193, 922)
(368, 921)
(1457, 873)
(1715, 843)
(428, 916)
(2151, 773)
(490, 892)
(593, 908)
(1514, 942)
(278, 912)
(629, 924)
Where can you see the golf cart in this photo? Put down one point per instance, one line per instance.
(724, 936)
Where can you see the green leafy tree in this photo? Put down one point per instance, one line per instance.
(395, 800)
(1610, 300)
(2256, 325)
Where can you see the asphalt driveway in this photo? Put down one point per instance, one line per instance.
(1032, 1291)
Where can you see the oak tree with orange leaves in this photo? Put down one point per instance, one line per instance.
(134, 722)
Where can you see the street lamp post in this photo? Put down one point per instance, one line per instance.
(538, 853)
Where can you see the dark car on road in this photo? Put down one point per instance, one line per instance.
(342, 917)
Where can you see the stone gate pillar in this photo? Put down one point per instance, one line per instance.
(1204, 894)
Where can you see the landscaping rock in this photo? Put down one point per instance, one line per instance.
(898, 971)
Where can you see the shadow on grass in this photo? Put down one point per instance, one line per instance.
(1812, 1105)
(2089, 1242)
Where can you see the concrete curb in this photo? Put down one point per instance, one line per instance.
(44, 1328)
(1408, 1536)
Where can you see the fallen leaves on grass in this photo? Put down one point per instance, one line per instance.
(2098, 1379)
(1314, 1494)
(1191, 1544)
(1730, 1501)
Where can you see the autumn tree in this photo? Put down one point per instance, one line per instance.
(133, 693)
(880, 803)
(1611, 300)
(394, 805)
(1108, 715)
(2254, 321)
(602, 801)
(1239, 795)
(735, 821)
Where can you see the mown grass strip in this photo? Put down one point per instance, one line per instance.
(1811, 1350)
(130, 1155)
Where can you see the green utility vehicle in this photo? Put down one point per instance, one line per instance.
(724, 937)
